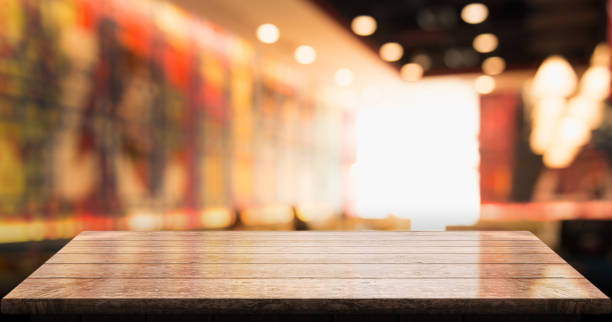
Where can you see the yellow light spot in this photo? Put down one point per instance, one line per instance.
(485, 43)
(555, 77)
(601, 55)
(270, 215)
(144, 221)
(391, 51)
(586, 109)
(484, 84)
(363, 25)
(313, 212)
(217, 217)
(474, 13)
(545, 116)
(493, 65)
(305, 55)
(411, 72)
(595, 82)
(268, 33)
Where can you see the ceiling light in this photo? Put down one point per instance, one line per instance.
(411, 72)
(267, 33)
(493, 65)
(587, 110)
(343, 77)
(595, 82)
(474, 13)
(601, 55)
(545, 115)
(485, 43)
(555, 77)
(305, 55)
(484, 84)
(363, 25)
(391, 51)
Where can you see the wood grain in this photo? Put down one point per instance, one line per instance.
(305, 272)
(304, 250)
(306, 235)
(308, 243)
(296, 258)
(465, 296)
(347, 271)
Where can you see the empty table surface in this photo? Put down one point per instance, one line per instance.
(458, 272)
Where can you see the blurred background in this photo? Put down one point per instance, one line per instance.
(305, 114)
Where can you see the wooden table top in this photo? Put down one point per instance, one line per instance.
(459, 272)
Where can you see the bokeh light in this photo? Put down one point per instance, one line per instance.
(474, 13)
(391, 51)
(544, 116)
(555, 77)
(363, 25)
(305, 55)
(484, 84)
(485, 43)
(411, 72)
(493, 65)
(268, 33)
(595, 82)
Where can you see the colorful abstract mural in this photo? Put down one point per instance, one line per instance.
(135, 115)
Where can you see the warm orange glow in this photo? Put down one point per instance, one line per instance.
(485, 43)
(545, 115)
(555, 77)
(474, 13)
(270, 215)
(573, 132)
(411, 72)
(363, 25)
(595, 83)
(216, 217)
(601, 55)
(391, 51)
(176, 220)
(493, 65)
(314, 213)
(587, 110)
(557, 156)
(144, 220)
(305, 55)
(484, 84)
(268, 33)
(559, 127)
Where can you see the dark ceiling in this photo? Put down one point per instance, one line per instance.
(528, 30)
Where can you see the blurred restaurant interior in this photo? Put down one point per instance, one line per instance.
(305, 115)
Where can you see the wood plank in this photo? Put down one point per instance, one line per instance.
(306, 272)
(139, 296)
(315, 271)
(308, 243)
(291, 258)
(304, 249)
(305, 235)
